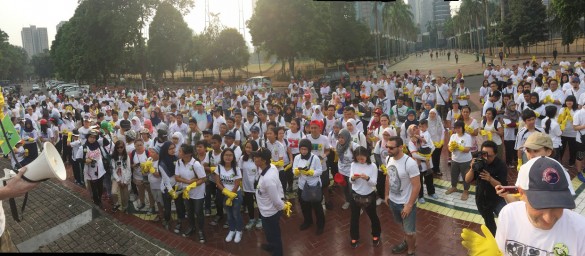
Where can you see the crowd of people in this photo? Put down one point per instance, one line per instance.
(224, 149)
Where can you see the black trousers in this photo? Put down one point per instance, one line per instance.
(219, 199)
(436, 158)
(179, 205)
(249, 199)
(283, 180)
(427, 179)
(572, 144)
(307, 208)
(195, 208)
(271, 226)
(97, 188)
(77, 171)
(380, 185)
(489, 211)
(354, 228)
(511, 153)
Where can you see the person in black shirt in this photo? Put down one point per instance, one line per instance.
(494, 173)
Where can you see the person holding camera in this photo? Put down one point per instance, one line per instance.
(93, 168)
(489, 171)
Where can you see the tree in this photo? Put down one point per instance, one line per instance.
(195, 54)
(13, 60)
(232, 50)
(565, 16)
(284, 28)
(522, 28)
(399, 22)
(168, 39)
(43, 65)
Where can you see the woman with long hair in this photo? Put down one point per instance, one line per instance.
(553, 129)
(121, 177)
(471, 126)
(568, 137)
(249, 174)
(228, 180)
(492, 129)
(538, 108)
(364, 175)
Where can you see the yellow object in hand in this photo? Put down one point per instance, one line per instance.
(297, 172)
(145, 167)
(519, 163)
(287, 208)
(173, 193)
(229, 193)
(478, 245)
(26, 152)
(279, 163)
(69, 134)
(486, 133)
(187, 189)
(212, 168)
(309, 172)
(288, 167)
(229, 201)
(31, 139)
(460, 147)
(384, 169)
(452, 146)
(536, 113)
(468, 129)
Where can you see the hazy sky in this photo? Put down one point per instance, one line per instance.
(16, 14)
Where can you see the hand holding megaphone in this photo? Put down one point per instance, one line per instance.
(17, 186)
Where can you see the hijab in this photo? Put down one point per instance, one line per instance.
(148, 125)
(435, 125)
(341, 148)
(28, 125)
(181, 139)
(535, 105)
(167, 160)
(407, 123)
(154, 119)
(355, 129)
(513, 115)
(138, 126)
(92, 146)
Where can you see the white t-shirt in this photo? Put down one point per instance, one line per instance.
(579, 119)
(278, 151)
(362, 186)
(465, 140)
(228, 177)
(442, 94)
(517, 236)
(188, 171)
(399, 174)
(138, 159)
(319, 146)
(154, 181)
(293, 140)
(249, 174)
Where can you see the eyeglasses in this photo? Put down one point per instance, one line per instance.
(391, 148)
(119, 147)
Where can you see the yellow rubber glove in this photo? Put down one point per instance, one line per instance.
(452, 145)
(26, 152)
(460, 147)
(548, 99)
(478, 245)
(69, 134)
(297, 172)
(209, 149)
(468, 129)
(31, 139)
(287, 208)
(279, 163)
(536, 113)
(173, 193)
(187, 189)
(229, 201)
(486, 133)
(563, 124)
(519, 163)
(229, 193)
(359, 113)
(437, 144)
(212, 168)
(384, 169)
(288, 167)
(145, 167)
(152, 170)
(309, 172)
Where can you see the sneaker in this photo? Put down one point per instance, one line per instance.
(354, 243)
(400, 248)
(581, 177)
(177, 228)
(132, 197)
(225, 225)
(189, 232)
(207, 212)
(238, 237)
(250, 224)
(379, 201)
(435, 196)
(215, 220)
(345, 205)
(376, 241)
(258, 224)
(201, 237)
(421, 200)
(464, 196)
(230, 236)
(141, 206)
(165, 224)
(450, 190)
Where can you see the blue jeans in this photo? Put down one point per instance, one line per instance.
(235, 221)
(271, 226)
(409, 223)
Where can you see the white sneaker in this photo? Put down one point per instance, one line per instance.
(379, 201)
(230, 236)
(250, 224)
(258, 223)
(238, 237)
(345, 205)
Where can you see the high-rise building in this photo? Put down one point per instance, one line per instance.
(34, 40)
(60, 25)
(422, 11)
(441, 12)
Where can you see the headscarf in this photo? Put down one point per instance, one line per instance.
(513, 115)
(341, 148)
(383, 142)
(407, 123)
(154, 118)
(30, 124)
(167, 160)
(340, 126)
(92, 146)
(181, 139)
(148, 125)
(353, 122)
(435, 125)
(138, 126)
(535, 105)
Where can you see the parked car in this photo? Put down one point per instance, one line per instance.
(75, 92)
(35, 88)
(260, 80)
(334, 78)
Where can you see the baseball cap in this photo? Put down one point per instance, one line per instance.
(538, 140)
(272, 112)
(131, 134)
(545, 183)
(255, 129)
(299, 110)
(156, 148)
(231, 135)
(575, 80)
(198, 102)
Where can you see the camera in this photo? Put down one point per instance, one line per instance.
(478, 164)
(118, 163)
(93, 162)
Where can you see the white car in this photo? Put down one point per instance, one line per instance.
(35, 88)
(75, 92)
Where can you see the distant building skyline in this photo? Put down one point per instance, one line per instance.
(34, 40)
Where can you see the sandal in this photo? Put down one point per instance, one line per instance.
(400, 248)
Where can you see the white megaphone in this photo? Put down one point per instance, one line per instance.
(47, 165)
